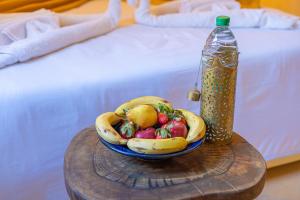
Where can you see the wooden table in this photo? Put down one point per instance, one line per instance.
(228, 172)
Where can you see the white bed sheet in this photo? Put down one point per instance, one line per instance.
(46, 101)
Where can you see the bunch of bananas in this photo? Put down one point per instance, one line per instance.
(106, 121)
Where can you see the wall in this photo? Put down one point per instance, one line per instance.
(249, 3)
(8, 6)
(291, 6)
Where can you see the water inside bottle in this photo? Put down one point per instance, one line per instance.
(221, 44)
(219, 69)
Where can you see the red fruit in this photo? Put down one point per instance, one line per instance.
(158, 137)
(165, 126)
(162, 118)
(148, 133)
(177, 128)
(127, 129)
(162, 133)
(181, 120)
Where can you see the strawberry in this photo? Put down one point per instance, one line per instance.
(159, 137)
(148, 133)
(162, 118)
(165, 126)
(127, 129)
(165, 113)
(181, 119)
(162, 133)
(176, 128)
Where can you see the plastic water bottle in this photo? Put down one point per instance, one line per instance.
(219, 71)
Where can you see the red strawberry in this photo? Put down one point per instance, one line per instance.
(165, 126)
(180, 119)
(159, 137)
(127, 129)
(162, 118)
(148, 133)
(162, 133)
(176, 128)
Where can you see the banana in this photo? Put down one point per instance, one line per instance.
(149, 146)
(151, 100)
(157, 146)
(104, 128)
(196, 125)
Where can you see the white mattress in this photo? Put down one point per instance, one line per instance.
(46, 101)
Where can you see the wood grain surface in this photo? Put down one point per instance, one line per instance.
(212, 172)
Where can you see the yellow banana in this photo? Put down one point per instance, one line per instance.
(104, 128)
(157, 146)
(196, 125)
(150, 100)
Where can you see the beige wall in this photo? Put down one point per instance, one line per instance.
(8, 6)
(291, 6)
(249, 3)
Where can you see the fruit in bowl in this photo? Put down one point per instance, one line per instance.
(142, 115)
(150, 125)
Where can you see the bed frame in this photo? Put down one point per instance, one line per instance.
(283, 161)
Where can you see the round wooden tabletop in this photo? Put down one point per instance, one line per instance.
(212, 172)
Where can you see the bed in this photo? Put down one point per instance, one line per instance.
(46, 101)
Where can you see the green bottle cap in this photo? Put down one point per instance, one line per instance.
(222, 21)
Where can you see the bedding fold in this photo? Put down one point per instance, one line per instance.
(30, 35)
(202, 13)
